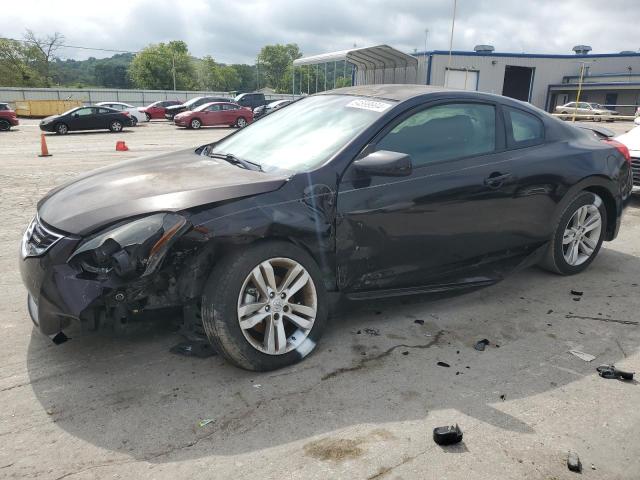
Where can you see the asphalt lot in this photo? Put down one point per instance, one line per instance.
(362, 406)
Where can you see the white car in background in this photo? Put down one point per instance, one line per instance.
(631, 140)
(134, 113)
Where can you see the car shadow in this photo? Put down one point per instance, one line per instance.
(377, 363)
(89, 132)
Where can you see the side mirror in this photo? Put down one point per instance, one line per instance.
(75, 115)
(385, 163)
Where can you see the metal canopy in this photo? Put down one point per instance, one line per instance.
(378, 57)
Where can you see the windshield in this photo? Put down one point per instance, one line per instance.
(305, 134)
(191, 102)
(202, 107)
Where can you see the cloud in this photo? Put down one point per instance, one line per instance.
(234, 32)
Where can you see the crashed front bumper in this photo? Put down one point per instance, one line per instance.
(57, 293)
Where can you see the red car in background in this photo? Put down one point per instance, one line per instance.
(157, 109)
(215, 113)
(8, 117)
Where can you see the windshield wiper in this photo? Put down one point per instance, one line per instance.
(237, 161)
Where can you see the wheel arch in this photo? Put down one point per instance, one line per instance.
(600, 185)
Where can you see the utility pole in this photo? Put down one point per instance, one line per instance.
(426, 37)
(582, 69)
(453, 24)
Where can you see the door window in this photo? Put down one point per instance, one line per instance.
(83, 112)
(104, 110)
(213, 108)
(524, 129)
(228, 107)
(444, 132)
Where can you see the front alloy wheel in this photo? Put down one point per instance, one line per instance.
(241, 122)
(277, 306)
(265, 307)
(195, 124)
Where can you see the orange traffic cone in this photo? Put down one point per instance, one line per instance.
(121, 146)
(44, 151)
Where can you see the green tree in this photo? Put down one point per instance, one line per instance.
(209, 76)
(18, 62)
(274, 61)
(45, 49)
(154, 66)
(248, 77)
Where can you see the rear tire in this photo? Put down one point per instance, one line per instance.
(242, 338)
(4, 126)
(577, 236)
(62, 129)
(134, 121)
(597, 118)
(115, 126)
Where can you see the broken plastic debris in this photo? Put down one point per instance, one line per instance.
(443, 364)
(573, 462)
(577, 293)
(419, 322)
(257, 385)
(374, 332)
(447, 435)
(59, 338)
(481, 344)
(610, 371)
(205, 422)
(587, 357)
(194, 349)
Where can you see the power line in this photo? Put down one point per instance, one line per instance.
(73, 46)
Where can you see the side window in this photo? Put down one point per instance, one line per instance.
(571, 105)
(523, 129)
(444, 132)
(228, 107)
(104, 110)
(214, 108)
(84, 111)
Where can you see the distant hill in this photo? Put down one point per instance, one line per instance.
(93, 72)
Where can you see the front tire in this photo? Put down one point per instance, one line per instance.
(265, 307)
(195, 124)
(148, 117)
(241, 122)
(578, 235)
(62, 129)
(115, 126)
(4, 126)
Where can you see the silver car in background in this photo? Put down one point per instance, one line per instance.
(586, 111)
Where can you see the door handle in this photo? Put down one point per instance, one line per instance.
(496, 179)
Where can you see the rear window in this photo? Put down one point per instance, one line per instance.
(523, 129)
(4, 106)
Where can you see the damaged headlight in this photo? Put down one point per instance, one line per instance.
(131, 249)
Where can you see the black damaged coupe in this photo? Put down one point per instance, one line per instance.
(363, 192)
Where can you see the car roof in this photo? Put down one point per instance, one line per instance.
(397, 92)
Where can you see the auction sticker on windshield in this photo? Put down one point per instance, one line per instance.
(369, 105)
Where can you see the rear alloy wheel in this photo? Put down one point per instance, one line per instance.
(4, 126)
(195, 124)
(116, 126)
(134, 121)
(265, 308)
(241, 122)
(578, 235)
(62, 129)
(597, 118)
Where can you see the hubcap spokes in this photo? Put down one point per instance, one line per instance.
(277, 306)
(581, 235)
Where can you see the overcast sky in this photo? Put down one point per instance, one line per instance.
(234, 31)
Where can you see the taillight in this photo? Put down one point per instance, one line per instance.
(621, 148)
(126, 113)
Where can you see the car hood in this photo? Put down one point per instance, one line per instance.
(175, 107)
(50, 118)
(631, 139)
(170, 182)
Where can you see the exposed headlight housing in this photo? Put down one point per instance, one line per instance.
(132, 249)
